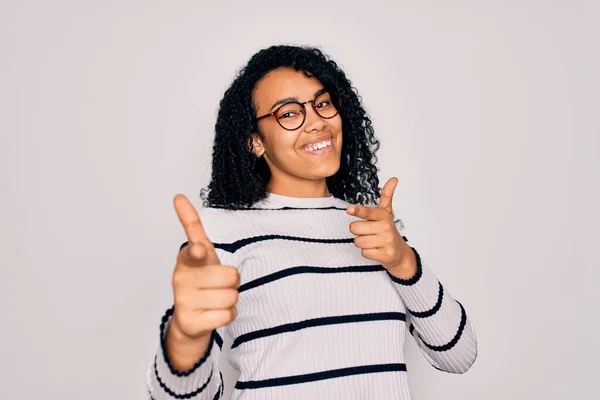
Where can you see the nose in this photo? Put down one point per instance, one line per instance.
(314, 122)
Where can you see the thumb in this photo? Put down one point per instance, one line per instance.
(387, 194)
(199, 250)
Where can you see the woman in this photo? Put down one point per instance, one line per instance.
(297, 254)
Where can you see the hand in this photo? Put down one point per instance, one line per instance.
(205, 291)
(378, 236)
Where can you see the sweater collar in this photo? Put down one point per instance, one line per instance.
(278, 201)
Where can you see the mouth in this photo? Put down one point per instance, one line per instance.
(321, 147)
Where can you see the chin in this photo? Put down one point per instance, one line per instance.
(327, 170)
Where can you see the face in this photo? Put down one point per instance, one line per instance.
(299, 159)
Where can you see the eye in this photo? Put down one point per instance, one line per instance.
(288, 111)
(287, 114)
(324, 104)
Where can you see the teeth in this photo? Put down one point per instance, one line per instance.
(318, 146)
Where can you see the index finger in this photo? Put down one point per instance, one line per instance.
(368, 213)
(189, 218)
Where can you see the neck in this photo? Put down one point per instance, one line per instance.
(299, 188)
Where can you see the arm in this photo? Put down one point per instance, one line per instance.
(205, 294)
(440, 325)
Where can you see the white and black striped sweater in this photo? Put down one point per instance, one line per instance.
(316, 320)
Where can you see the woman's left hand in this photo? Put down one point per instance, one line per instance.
(379, 238)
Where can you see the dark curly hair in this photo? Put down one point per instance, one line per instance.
(239, 179)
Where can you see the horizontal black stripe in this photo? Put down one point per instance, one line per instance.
(414, 279)
(319, 376)
(455, 339)
(305, 269)
(232, 247)
(310, 323)
(286, 208)
(180, 396)
(429, 313)
(238, 244)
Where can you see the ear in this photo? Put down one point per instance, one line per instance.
(255, 145)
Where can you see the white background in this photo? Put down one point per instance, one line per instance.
(487, 112)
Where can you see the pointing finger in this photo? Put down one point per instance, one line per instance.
(368, 213)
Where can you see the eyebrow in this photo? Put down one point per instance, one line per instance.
(295, 99)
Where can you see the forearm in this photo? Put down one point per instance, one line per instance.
(439, 323)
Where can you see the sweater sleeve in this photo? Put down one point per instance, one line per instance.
(202, 382)
(439, 324)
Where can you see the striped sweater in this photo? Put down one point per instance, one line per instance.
(316, 320)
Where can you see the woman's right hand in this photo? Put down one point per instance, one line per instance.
(205, 292)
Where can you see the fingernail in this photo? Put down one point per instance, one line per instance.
(351, 210)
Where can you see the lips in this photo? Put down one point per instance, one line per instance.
(311, 148)
(318, 143)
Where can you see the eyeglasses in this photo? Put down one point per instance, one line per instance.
(292, 115)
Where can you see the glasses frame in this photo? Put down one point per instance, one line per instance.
(303, 106)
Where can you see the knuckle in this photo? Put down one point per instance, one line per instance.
(222, 318)
(232, 277)
(231, 297)
(233, 313)
(193, 224)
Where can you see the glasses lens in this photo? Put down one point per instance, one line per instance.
(290, 116)
(326, 106)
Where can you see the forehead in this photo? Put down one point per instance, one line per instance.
(285, 82)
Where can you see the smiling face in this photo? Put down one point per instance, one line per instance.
(299, 159)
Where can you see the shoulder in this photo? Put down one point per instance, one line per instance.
(222, 224)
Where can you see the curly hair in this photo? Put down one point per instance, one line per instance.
(239, 179)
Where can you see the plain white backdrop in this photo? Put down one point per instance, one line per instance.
(487, 111)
